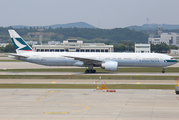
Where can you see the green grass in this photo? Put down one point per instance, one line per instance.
(10, 61)
(3, 56)
(92, 77)
(86, 86)
(36, 38)
(149, 69)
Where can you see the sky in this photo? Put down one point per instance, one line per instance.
(106, 14)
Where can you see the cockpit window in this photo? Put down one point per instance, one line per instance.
(172, 58)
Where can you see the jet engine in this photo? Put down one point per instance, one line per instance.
(110, 66)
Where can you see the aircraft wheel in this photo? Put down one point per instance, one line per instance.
(94, 71)
(90, 71)
(86, 71)
(163, 71)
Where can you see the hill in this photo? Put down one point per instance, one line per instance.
(69, 25)
(112, 36)
(153, 27)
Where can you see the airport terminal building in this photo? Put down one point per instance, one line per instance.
(142, 48)
(168, 38)
(73, 45)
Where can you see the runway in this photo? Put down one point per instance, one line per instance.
(86, 104)
(26, 65)
(86, 81)
(82, 73)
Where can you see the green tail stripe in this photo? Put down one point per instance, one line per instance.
(22, 42)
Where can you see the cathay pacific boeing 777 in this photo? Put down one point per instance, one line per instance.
(107, 61)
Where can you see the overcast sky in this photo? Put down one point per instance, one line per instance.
(99, 13)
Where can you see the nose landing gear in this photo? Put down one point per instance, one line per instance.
(163, 71)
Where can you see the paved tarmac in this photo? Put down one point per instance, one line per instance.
(82, 73)
(85, 81)
(24, 65)
(27, 65)
(5, 58)
(87, 104)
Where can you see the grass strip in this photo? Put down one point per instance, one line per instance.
(86, 86)
(138, 69)
(11, 61)
(92, 77)
(3, 55)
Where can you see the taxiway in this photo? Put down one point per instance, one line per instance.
(87, 104)
(85, 81)
(97, 73)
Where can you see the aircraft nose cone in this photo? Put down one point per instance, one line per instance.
(175, 61)
(172, 61)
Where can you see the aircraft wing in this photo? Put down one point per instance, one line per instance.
(86, 60)
(17, 55)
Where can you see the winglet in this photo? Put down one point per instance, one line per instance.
(20, 45)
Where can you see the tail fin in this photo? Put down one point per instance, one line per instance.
(20, 45)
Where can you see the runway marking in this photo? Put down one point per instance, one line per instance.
(87, 108)
(56, 113)
(3, 74)
(70, 74)
(177, 98)
(16, 90)
(137, 74)
(138, 82)
(44, 97)
(53, 82)
(51, 91)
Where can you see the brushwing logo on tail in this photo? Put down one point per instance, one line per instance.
(20, 44)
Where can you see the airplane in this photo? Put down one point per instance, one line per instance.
(107, 61)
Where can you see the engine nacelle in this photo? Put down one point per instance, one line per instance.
(110, 66)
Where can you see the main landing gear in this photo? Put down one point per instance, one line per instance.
(90, 69)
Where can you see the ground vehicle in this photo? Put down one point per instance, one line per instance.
(177, 86)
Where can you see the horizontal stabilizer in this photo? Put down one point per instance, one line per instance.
(17, 55)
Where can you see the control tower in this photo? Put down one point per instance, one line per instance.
(40, 35)
(159, 30)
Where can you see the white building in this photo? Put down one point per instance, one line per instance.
(168, 38)
(73, 45)
(53, 42)
(142, 48)
(173, 51)
(32, 42)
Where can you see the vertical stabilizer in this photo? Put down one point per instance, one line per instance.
(20, 45)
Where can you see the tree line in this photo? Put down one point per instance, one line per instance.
(112, 35)
(123, 39)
